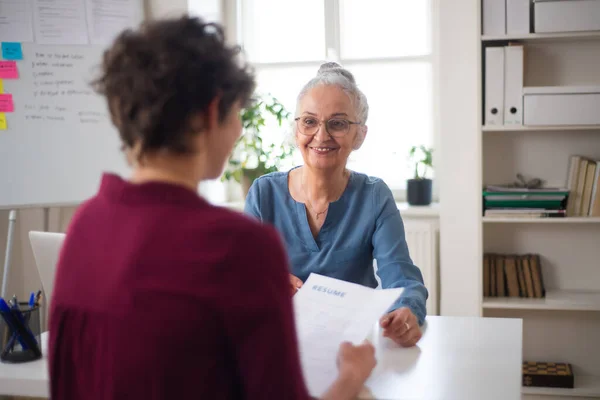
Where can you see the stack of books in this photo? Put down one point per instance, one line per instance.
(510, 202)
(511, 275)
(584, 182)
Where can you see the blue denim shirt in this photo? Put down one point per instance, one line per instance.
(364, 224)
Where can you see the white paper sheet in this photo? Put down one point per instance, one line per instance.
(15, 21)
(60, 22)
(328, 312)
(108, 18)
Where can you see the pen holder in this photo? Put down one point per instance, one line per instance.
(20, 334)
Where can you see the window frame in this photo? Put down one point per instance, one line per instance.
(233, 11)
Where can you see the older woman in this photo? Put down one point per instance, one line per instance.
(335, 221)
(155, 298)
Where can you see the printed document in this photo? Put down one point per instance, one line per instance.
(328, 312)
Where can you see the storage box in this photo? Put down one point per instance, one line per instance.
(561, 105)
(548, 374)
(566, 15)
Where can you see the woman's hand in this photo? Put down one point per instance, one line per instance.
(355, 364)
(402, 327)
(295, 284)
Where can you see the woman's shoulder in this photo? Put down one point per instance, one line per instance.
(370, 185)
(273, 179)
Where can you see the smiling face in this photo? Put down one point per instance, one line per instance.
(321, 150)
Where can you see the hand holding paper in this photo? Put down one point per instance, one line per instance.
(328, 313)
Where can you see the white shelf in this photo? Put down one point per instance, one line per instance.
(535, 220)
(563, 300)
(585, 386)
(528, 128)
(544, 36)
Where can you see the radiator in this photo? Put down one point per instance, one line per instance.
(422, 237)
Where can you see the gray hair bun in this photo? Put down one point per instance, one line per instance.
(335, 68)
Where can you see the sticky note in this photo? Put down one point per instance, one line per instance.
(1, 86)
(8, 70)
(6, 103)
(12, 51)
(3, 125)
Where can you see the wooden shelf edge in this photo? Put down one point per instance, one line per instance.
(555, 300)
(585, 386)
(540, 128)
(565, 220)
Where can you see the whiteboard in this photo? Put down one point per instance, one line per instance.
(60, 138)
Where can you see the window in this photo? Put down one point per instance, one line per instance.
(386, 44)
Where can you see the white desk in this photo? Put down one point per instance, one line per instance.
(457, 358)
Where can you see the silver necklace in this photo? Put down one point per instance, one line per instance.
(317, 213)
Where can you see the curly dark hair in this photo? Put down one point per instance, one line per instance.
(156, 78)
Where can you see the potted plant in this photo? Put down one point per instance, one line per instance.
(254, 154)
(418, 189)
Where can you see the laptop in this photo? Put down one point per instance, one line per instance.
(46, 250)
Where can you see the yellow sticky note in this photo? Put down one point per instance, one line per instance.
(3, 122)
(1, 87)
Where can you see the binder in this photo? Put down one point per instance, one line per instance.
(494, 17)
(517, 16)
(513, 85)
(494, 85)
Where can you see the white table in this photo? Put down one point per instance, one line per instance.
(457, 358)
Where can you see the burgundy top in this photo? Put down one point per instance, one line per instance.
(160, 295)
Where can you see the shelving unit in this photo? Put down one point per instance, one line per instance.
(565, 300)
(523, 220)
(587, 386)
(565, 325)
(543, 36)
(522, 128)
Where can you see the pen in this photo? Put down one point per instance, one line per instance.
(38, 298)
(32, 300)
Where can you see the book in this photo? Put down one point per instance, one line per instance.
(536, 274)
(513, 275)
(512, 278)
(595, 198)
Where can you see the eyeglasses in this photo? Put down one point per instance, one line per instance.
(335, 127)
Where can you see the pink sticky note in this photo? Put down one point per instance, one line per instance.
(8, 70)
(6, 103)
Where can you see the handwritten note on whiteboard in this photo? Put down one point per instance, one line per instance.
(108, 18)
(60, 22)
(15, 20)
(12, 51)
(6, 103)
(328, 312)
(8, 70)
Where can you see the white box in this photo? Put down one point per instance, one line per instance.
(517, 16)
(513, 85)
(494, 17)
(566, 15)
(494, 86)
(561, 105)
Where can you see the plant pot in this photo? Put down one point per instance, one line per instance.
(418, 192)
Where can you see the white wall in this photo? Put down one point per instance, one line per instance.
(460, 172)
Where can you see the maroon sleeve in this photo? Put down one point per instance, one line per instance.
(260, 322)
